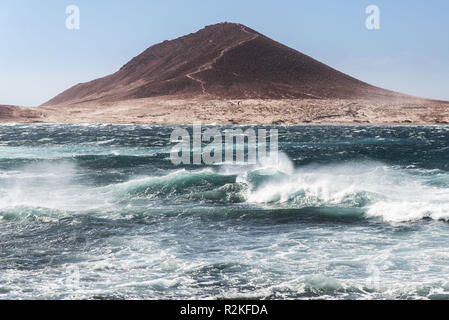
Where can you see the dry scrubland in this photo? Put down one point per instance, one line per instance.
(251, 111)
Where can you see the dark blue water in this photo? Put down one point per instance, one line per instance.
(100, 212)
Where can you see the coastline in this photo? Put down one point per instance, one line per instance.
(289, 112)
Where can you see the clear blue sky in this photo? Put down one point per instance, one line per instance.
(39, 57)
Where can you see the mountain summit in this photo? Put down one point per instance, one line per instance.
(222, 61)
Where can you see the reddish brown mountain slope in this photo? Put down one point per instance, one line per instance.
(225, 60)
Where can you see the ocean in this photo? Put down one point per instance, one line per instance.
(99, 211)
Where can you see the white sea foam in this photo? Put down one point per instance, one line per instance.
(384, 192)
(389, 193)
(45, 185)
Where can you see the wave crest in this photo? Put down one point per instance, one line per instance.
(381, 191)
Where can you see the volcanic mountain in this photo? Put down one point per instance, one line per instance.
(222, 61)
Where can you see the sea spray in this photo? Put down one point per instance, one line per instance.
(344, 213)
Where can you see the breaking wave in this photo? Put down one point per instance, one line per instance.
(381, 191)
(349, 213)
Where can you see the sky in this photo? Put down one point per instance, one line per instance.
(40, 57)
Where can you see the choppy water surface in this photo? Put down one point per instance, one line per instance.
(100, 212)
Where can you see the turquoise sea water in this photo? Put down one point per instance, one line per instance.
(100, 212)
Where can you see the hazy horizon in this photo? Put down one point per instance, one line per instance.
(41, 57)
